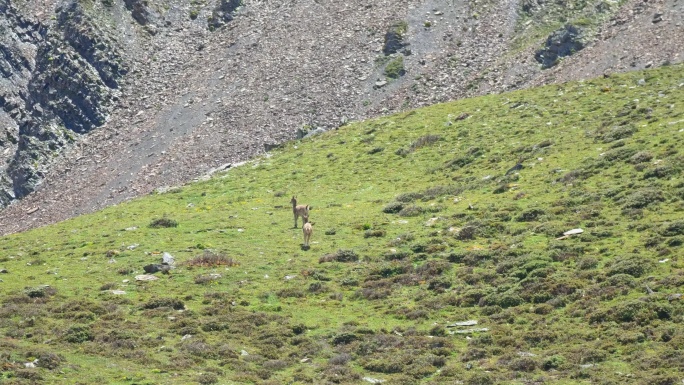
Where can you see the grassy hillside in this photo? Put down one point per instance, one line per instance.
(421, 220)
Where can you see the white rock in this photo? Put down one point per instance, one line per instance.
(463, 323)
(573, 232)
(146, 277)
(168, 259)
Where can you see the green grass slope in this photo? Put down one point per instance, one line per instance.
(421, 221)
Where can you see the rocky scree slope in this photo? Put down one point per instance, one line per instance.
(178, 89)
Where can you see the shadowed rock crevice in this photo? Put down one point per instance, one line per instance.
(564, 42)
(223, 13)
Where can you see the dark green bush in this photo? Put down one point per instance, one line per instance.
(207, 378)
(393, 208)
(619, 132)
(480, 378)
(78, 334)
(460, 162)
(618, 154)
(641, 157)
(374, 233)
(164, 302)
(633, 265)
(408, 197)
(524, 364)
(660, 172)
(530, 215)
(642, 198)
(553, 362)
(163, 222)
(672, 229)
(396, 255)
(340, 256)
(411, 211)
(395, 68)
(49, 360)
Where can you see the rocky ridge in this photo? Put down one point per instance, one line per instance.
(179, 89)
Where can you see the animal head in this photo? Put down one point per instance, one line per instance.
(305, 218)
(293, 200)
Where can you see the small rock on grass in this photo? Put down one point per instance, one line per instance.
(146, 277)
(463, 323)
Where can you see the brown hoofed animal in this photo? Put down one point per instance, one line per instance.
(299, 211)
(308, 230)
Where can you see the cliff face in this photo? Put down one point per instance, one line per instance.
(104, 100)
(58, 80)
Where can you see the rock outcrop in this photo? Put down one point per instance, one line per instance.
(58, 81)
(563, 42)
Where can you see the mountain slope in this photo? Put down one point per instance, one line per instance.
(192, 94)
(451, 213)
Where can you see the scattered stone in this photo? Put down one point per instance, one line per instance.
(570, 233)
(244, 353)
(317, 131)
(4, 271)
(220, 168)
(167, 259)
(468, 331)
(185, 337)
(431, 221)
(463, 323)
(303, 360)
(573, 232)
(144, 277)
(373, 380)
(118, 292)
